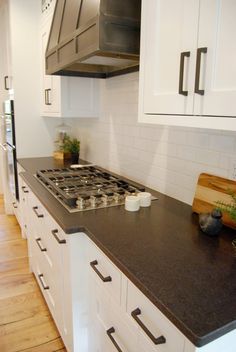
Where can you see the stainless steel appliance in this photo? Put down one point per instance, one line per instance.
(87, 187)
(94, 38)
(9, 146)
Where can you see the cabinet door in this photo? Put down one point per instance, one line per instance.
(217, 28)
(169, 30)
(5, 55)
(50, 102)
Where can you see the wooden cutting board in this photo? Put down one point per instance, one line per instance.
(211, 189)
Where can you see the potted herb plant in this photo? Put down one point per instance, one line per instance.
(229, 208)
(72, 146)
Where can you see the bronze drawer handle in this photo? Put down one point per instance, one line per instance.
(156, 340)
(55, 234)
(5, 83)
(38, 241)
(45, 286)
(14, 205)
(35, 209)
(109, 333)
(93, 264)
(24, 189)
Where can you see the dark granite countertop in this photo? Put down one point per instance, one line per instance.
(189, 276)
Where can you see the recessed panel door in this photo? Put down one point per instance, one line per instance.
(169, 55)
(217, 28)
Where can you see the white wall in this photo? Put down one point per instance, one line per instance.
(164, 158)
(34, 133)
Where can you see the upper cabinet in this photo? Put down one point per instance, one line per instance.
(5, 55)
(65, 96)
(188, 63)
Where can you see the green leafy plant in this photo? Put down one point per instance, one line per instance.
(70, 145)
(229, 208)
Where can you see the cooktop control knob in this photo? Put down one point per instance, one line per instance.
(96, 200)
(83, 202)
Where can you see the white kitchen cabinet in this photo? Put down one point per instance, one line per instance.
(156, 332)
(5, 55)
(47, 247)
(23, 204)
(188, 71)
(110, 329)
(217, 28)
(66, 96)
(93, 303)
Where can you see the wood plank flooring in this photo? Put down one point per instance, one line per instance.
(25, 321)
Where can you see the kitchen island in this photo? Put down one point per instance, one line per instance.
(188, 276)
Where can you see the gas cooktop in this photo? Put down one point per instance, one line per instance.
(88, 187)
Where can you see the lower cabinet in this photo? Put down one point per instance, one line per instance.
(95, 306)
(47, 246)
(126, 320)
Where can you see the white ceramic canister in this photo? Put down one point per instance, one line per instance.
(145, 199)
(132, 203)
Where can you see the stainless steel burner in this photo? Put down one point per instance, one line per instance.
(87, 187)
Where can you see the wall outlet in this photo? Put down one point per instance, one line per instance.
(232, 171)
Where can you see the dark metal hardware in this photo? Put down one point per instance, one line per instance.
(36, 212)
(38, 241)
(49, 90)
(45, 286)
(5, 82)
(104, 279)
(183, 55)
(46, 96)
(109, 333)
(55, 234)
(3, 146)
(200, 51)
(156, 340)
(9, 146)
(14, 205)
(24, 189)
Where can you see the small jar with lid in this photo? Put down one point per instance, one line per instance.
(62, 131)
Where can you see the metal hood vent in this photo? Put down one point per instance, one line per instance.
(94, 38)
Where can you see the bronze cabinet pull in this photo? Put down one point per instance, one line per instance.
(156, 340)
(183, 55)
(197, 89)
(38, 241)
(93, 264)
(45, 97)
(35, 209)
(109, 333)
(55, 234)
(24, 189)
(5, 82)
(41, 279)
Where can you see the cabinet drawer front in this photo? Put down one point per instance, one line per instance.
(54, 237)
(46, 287)
(120, 332)
(43, 255)
(157, 333)
(105, 272)
(51, 292)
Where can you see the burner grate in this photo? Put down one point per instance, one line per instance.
(87, 187)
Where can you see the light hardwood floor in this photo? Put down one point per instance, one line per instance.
(25, 321)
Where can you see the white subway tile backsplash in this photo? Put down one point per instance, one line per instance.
(222, 143)
(168, 159)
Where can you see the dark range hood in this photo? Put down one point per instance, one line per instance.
(94, 38)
